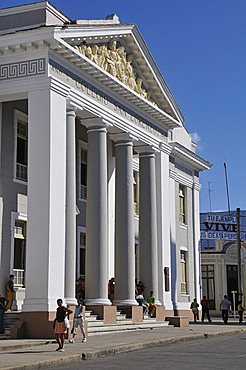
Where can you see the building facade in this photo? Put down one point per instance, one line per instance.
(223, 258)
(99, 177)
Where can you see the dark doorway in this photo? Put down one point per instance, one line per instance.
(232, 283)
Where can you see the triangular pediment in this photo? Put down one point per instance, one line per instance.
(121, 52)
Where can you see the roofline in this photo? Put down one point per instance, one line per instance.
(32, 7)
(144, 47)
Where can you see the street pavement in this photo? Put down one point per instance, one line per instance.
(31, 354)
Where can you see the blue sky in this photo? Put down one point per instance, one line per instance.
(199, 47)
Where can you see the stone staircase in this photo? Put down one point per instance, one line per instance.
(10, 320)
(97, 327)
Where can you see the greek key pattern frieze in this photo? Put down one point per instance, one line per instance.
(27, 68)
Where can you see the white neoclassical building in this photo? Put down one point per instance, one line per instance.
(99, 177)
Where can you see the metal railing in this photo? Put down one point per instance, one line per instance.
(19, 277)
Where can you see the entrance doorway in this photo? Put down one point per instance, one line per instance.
(232, 283)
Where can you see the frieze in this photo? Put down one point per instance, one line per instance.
(102, 98)
(113, 58)
(26, 68)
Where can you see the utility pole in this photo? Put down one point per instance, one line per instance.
(227, 189)
(209, 196)
(239, 272)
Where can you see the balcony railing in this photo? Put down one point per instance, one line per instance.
(19, 277)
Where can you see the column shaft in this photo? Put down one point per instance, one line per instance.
(70, 245)
(148, 269)
(124, 226)
(46, 200)
(96, 218)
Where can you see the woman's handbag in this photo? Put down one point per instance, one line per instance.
(67, 324)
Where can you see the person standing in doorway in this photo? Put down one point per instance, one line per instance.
(205, 308)
(225, 307)
(10, 292)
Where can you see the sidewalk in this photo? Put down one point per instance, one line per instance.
(31, 354)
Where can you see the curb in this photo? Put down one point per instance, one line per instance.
(21, 346)
(162, 342)
(87, 355)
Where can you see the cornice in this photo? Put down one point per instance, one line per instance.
(190, 158)
(165, 148)
(197, 186)
(59, 87)
(72, 55)
(181, 179)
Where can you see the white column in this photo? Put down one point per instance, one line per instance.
(96, 215)
(163, 223)
(196, 237)
(124, 223)
(148, 266)
(46, 200)
(173, 243)
(70, 241)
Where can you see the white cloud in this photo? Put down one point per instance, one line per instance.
(195, 138)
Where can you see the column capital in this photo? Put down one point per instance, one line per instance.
(71, 112)
(123, 138)
(94, 123)
(145, 150)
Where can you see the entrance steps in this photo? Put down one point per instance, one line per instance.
(10, 320)
(97, 327)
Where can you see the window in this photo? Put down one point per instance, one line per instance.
(208, 284)
(19, 253)
(136, 192)
(183, 271)
(182, 204)
(21, 146)
(83, 173)
(82, 255)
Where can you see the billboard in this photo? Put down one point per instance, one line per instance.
(219, 226)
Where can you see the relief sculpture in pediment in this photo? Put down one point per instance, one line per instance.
(117, 62)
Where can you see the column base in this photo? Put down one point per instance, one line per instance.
(125, 302)
(97, 302)
(160, 313)
(133, 312)
(70, 301)
(105, 313)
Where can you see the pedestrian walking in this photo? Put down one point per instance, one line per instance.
(225, 307)
(205, 308)
(78, 321)
(240, 310)
(194, 308)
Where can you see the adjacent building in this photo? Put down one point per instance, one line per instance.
(99, 176)
(223, 258)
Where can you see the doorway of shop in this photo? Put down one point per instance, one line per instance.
(232, 283)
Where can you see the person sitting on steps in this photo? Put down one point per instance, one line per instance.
(151, 306)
